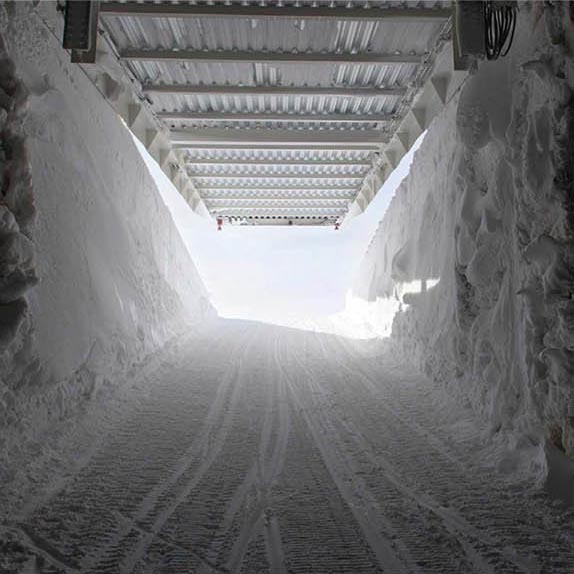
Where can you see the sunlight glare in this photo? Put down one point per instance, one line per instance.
(286, 275)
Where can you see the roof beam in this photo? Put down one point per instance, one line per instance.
(276, 161)
(372, 139)
(270, 206)
(271, 198)
(272, 209)
(272, 12)
(250, 57)
(280, 210)
(274, 117)
(279, 147)
(278, 202)
(231, 189)
(279, 176)
(215, 90)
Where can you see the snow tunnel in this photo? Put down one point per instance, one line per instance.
(287, 286)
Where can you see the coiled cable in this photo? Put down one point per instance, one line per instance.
(499, 27)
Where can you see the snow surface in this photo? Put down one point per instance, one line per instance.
(116, 281)
(488, 214)
(17, 211)
(255, 448)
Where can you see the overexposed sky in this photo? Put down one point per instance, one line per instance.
(277, 274)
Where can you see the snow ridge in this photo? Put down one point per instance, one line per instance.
(17, 249)
(17, 210)
(116, 281)
(490, 213)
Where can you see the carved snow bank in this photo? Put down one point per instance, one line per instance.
(489, 209)
(17, 211)
(116, 281)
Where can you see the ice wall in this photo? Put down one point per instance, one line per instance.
(488, 210)
(115, 280)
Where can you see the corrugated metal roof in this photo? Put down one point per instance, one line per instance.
(266, 74)
(385, 37)
(289, 104)
(279, 35)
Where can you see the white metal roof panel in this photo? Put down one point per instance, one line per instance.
(285, 35)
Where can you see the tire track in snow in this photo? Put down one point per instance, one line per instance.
(160, 428)
(302, 458)
(137, 375)
(342, 472)
(222, 508)
(157, 508)
(484, 543)
(260, 480)
(424, 549)
(450, 522)
(267, 475)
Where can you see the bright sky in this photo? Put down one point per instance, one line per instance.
(277, 274)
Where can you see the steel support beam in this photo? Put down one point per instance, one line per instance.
(168, 10)
(275, 161)
(259, 176)
(273, 207)
(266, 117)
(279, 147)
(313, 210)
(280, 210)
(346, 92)
(309, 138)
(260, 188)
(210, 199)
(249, 57)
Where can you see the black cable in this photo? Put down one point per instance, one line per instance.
(499, 27)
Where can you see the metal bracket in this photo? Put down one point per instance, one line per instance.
(81, 30)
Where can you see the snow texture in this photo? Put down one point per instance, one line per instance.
(17, 210)
(488, 211)
(115, 279)
(252, 448)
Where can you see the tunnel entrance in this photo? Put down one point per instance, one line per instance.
(145, 428)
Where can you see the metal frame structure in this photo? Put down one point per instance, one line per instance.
(307, 12)
(281, 114)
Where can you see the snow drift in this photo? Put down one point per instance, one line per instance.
(115, 279)
(489, 214)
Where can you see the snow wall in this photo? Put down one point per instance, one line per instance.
(114, 279)
(488, 211)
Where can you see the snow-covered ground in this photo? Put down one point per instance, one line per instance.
(115, 279)
(476, 247)
(255, 448)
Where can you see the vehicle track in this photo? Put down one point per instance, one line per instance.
(262, 449)
(476, 509)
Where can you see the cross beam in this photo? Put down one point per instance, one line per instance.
(310, 138)
(169, 10)
(278, 210)
(280, 147)
(278, 203)
(275, 117)
(260, 176)
(348, 92)
(250, 57)
(222, 189)
(229, 199)
(276, 161)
